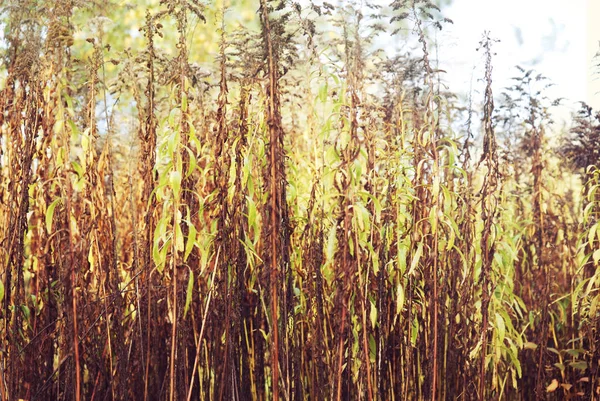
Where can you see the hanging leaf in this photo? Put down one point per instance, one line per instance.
(184, 102)
(175, 182)
(415, 260)
(414, 332)
(500, 327)
(190, 289)
(373, 315)
(552, 386)
(592, 234)
(580, 365)
(399, 298)
(179, 243)
(191, 241)
(596, 256)
(50, 215)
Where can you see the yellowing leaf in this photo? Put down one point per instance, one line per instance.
(592, 234)
(596, 256)
(500, 327)
(175, 181)
(331, 242)
(399, 298)
(58, 126)
(552, 386)
(91, 259)
(566, 386)
(179, 245)
(50, 215)
(373, 315)
(415, 260)
(433, 220)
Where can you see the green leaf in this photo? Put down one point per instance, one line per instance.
(193, 162)
(160, 254)
(1, 290)
(172, 116)
(78, 169)
(323, 93)
(26, 312)
(184, 102)
(414, 332)
(514, 357)
(74, 129)
(500, 327)
(251, 212)
(50, 215)
(581, 365)
(372, 348)
(156, 255)
(190, 289)
(191, 241)
(575, 352)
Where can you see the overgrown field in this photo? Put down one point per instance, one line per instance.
(252, 200)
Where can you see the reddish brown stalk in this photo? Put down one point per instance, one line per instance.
(366, 351)
(488, 211)
(174, 261)
(73, 276)
(174, 324)
(274, 269)
(275, 196)
(340, 356)
(435, 321)
(148, 142)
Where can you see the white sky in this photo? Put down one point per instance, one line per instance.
(557, 38)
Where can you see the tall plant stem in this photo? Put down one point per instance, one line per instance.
(200, 337)
(274, 197)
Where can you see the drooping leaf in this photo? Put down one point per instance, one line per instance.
(50, 214)
(373, 315)
(188, 297)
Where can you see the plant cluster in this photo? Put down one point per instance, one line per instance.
(278, 209)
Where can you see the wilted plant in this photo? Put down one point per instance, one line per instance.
(303, 217)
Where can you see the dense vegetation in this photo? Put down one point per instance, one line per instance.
(231, 205)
